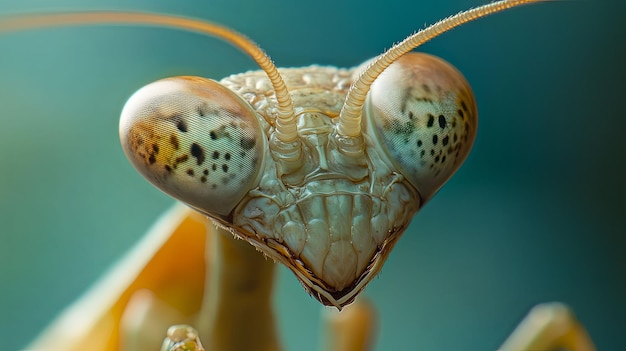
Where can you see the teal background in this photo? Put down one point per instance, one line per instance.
(536, 213)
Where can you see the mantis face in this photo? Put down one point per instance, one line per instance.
(319, 168)
(334, 213)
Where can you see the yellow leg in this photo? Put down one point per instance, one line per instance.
(549, 327)
(236, 313)
(352, 329)
(236, 297)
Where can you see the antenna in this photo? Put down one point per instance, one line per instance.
(349, 125)
(286, 130)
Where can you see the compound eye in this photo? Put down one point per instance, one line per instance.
(195, 140)
(424, 114)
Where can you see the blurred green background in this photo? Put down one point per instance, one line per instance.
(536, 213)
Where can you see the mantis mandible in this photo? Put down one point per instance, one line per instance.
(290, 168)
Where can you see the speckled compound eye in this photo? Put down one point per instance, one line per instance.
(424, 114)
(195, 140)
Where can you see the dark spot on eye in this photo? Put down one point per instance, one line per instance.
(422, 153)
(410, 115)
(205, 172)
(203, 179)
(200, 111)
(155, 148)
(437, 158)
(198, 153)
(213, 135)
(174, 141)
(443, 159)
(444, 141)
(247, 143)
(190, 172)
(168, 168)
(216, 155)
(182, 126)
(405, 100)
(442, 121)
(435, 139)
(432, 152)
(464, 106)
(152, 159)
(403, 129)
(419, 143)
(460, 112)
(455, 138)
(225, 168)
(181, 159)
(227, 156)
(214, 167)
(431, 120)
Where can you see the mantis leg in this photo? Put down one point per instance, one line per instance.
(237, 312)
(549, 326)
(352, 329)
